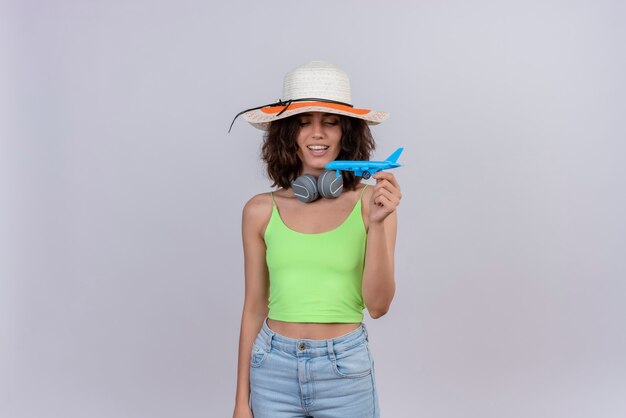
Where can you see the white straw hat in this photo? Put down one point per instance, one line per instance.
(316, 86)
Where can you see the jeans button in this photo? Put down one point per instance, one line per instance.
(302, 346)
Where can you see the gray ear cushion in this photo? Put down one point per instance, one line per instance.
(305, 188)
(329, 185)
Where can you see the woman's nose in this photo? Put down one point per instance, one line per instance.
(317, 128)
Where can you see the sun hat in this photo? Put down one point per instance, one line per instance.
(316, 86)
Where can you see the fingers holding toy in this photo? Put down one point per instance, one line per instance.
(384, 176)
(387, 184)
(385, 197)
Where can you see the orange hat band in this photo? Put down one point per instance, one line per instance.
(336, 106)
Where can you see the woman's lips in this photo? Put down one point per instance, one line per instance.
(318, 150)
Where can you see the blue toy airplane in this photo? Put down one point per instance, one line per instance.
(365, 168)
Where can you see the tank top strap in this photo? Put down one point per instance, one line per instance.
(273, 202)
(362, 191)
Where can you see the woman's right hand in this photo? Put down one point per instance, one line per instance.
(242, 411)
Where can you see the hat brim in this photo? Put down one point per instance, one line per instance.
(261, 118)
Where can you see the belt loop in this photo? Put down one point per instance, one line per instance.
(270, 335)
(331, 350)
(365, 331)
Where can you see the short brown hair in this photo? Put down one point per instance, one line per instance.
(280, 149)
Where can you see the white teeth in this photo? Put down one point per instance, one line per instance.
(318, 147)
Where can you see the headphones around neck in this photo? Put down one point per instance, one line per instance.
(308, 188)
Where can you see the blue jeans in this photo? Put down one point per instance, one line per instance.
(292, 378)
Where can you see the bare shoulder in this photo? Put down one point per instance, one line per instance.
(258, 206)
(367, 190)
(367, 193)
(257, 212)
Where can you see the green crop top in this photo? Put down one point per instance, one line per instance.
(316, 277)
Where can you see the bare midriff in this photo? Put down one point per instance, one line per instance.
(310, 331)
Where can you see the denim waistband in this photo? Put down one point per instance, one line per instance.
(312, 348)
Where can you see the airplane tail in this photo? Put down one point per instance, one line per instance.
(394, 157)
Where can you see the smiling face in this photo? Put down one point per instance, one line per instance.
(319, 141)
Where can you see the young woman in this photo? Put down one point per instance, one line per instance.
(311, 268)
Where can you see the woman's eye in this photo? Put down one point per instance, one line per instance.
(331, 122)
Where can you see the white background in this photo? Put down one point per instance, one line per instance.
(121, 196)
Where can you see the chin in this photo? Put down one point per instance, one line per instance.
(318, 163)
(321, 164)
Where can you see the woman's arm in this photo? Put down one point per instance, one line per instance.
(378, 274)
(255, 216)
